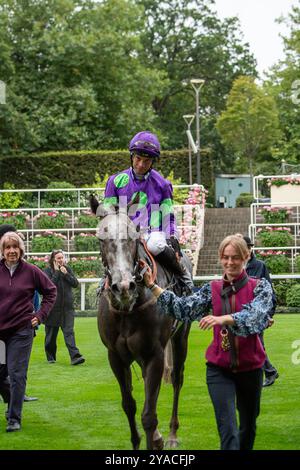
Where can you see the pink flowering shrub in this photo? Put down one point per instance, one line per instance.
(47, 241)
(86, 242)
(274, 215)
(275, 236)
(276, 261)
(18, 219)
(86, 266)
(282, 181)
(52, 220)
(197, 195)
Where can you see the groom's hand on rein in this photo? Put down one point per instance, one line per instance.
(147, 274)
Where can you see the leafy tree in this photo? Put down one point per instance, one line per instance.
(89, 74)
(249, 126)
(187, 40)
(284, 85)
(77, 78)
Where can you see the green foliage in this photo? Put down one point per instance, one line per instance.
(47, 242)
(283, 84)
(91, 100)
(91, 296)
(86, 266)
(17, 219)
(274, 215)
(78, 169)
(60, 198)
(275, 237)
(276, 264)
(86, 242)
(297, 263)
(244, 200)
(179, 194)
(10, 200)
(293, 296)
(40, 262)
(250, 124)
(87, 398)
(51, 220)
(87, 220)
(281, 286)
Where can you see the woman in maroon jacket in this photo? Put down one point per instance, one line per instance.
(19, 280)
(241, 307)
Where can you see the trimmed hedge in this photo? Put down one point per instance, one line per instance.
(79, 167)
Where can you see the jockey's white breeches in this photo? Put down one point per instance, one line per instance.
(156, 242)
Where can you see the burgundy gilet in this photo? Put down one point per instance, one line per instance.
(249, 350)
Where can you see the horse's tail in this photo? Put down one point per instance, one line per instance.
(168, 362)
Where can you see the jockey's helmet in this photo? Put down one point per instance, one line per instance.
(145, 144)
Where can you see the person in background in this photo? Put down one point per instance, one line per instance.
(154, 212)
(4, 378)
(62, 313)
(258, 269)
(19, 280)
(240, 311)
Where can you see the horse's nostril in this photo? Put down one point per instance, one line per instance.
(115, 288)
(132, 286)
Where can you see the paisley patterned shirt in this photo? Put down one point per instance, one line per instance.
(252, 319)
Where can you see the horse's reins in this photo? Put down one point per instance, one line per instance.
(144, 264)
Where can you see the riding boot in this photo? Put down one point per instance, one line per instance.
(168, 259)
(184, 282)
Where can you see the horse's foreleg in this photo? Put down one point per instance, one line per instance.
(152, 373)
(179, 349)
(123, 375)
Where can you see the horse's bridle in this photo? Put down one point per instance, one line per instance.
(140, 265)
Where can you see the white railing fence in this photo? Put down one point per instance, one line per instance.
(197, 279)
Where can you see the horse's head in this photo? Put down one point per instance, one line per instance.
(118, 246)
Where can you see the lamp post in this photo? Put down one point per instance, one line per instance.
(197, 84)
(189, 119)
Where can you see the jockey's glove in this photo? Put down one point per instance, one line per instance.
(175, 245)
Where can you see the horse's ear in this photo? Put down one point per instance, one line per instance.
(94, 203)
(135, 200)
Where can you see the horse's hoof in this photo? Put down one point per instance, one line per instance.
(158, 444)
(136, 442)
(172, 444)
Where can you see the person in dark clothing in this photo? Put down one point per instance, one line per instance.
(257, 268)
(19, 280)
(4, 378)
(240, 308)
(62, 313)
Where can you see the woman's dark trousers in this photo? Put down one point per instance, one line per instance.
(18, 349)
(229, 391)
(51, 344)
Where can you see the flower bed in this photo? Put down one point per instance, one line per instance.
(86, 242)
(274, 215)
(18, 219)
(276, 261)
(39, 261)
(86, 220)
(86, 266)
(51, 220)
(275, 236)
(47, 241)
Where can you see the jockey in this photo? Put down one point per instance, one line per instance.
(153, 211)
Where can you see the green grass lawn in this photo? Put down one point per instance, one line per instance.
(79, 407)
